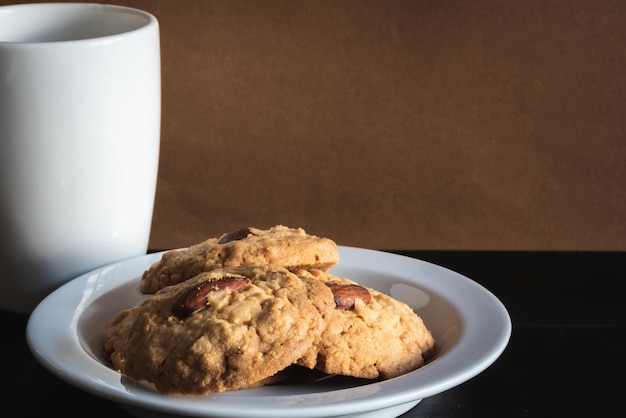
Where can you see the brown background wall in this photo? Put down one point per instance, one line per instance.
(394, 124)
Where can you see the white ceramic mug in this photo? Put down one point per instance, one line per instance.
(80, 116)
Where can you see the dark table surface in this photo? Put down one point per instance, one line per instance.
(566, 355)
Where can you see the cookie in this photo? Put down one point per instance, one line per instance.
(226, 329)
(369, 334)
(291, 248)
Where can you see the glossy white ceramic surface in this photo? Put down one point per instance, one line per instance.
(471, 327)
(80, 103)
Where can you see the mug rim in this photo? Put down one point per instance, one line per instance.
(29, 11)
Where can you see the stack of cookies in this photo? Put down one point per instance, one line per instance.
(238, 310)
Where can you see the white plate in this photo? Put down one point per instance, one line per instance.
(471, 327)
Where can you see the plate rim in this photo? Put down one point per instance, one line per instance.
(43, 317)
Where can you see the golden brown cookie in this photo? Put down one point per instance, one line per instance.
(369, 334)
(291, 248)
(221, 330)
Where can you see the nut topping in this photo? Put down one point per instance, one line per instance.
(346, 294)
(195, 298)
(234, 236)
